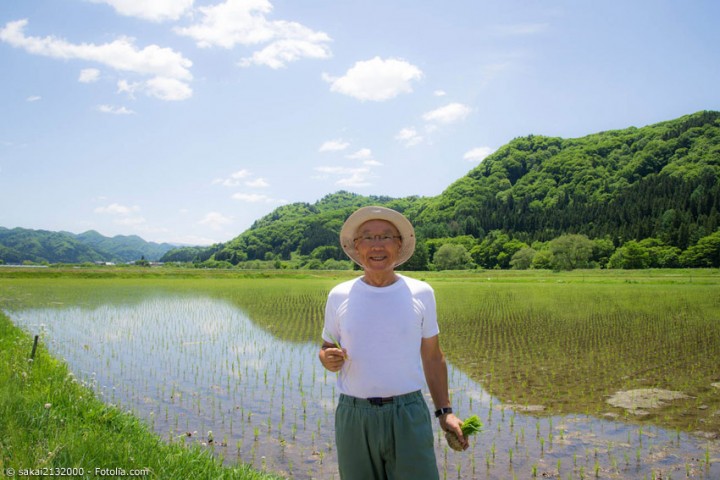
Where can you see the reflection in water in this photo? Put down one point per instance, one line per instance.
(198, 370)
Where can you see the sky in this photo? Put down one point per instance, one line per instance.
(184, 121)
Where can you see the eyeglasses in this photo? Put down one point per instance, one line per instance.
(378, 238)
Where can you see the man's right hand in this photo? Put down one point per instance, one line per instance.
(332, 357)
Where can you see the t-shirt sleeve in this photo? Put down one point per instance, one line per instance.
(430, 326)
(330, 331)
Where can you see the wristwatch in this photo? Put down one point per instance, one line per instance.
(442, 411)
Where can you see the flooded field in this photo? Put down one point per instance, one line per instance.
(232, 365)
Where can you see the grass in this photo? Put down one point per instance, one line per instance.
(50, 420)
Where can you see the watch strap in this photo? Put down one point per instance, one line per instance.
(443, 411)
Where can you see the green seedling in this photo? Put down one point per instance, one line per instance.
(337, 344)
(469, 427)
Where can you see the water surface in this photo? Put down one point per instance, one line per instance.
(198, 369)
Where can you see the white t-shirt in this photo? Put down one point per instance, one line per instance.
(381, 328)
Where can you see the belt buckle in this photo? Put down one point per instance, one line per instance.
(379, 401)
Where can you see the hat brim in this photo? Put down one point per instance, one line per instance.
(365, 214)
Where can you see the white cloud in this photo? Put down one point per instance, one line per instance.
(215, 220)
(376, 79)
(257, 183)
(124, 215)
(159, 87)
(357, 179)
(33, 98)
(166, 88)
(114, 110)
(333, 145)
(450, 113)
(256, 198)
(278, 54)
(117, 209)
(169, 70)
(409, 137)
(89, 75)
(478, 154)
(361, 154)
(439, 93)
(234, 179)
(153, 10)
(349, 177)
(230, 23)
(244, 22)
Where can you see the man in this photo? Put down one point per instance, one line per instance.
(381, 336)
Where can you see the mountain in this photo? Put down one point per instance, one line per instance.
(658, 182)
(125, 248)
(18, 245)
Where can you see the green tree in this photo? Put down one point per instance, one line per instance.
(452, 257)
(631, 255)
(509, 249)
(328, 252)
(332, 264)
(486, 253)
(706, 253)
(602, 250)
(543, 260)
(313, 264)
(660, 254)
(570, 252)
(142, 262)
(419, 260)
(523, 258)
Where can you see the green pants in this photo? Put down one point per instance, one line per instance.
(391, 441)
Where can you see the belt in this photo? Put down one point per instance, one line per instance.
(379, 401)
(402, 399)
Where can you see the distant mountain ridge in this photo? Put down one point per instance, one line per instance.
(20, 245)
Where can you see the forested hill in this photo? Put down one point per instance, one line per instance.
(20, 245)
(657, 183)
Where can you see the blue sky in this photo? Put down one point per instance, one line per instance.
(186, 120)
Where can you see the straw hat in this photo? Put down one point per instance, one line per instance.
(348, 233)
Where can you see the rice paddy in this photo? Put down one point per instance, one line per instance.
(231, 364)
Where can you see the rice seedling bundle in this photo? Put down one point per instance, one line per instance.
(470, 426)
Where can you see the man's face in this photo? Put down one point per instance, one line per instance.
(378, 244)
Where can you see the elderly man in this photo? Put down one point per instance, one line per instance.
(381, 335)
